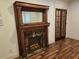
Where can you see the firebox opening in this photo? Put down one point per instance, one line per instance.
(34, 40)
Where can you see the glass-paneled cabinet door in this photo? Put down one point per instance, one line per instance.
(60, 23)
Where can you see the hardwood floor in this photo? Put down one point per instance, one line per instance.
(63, 49)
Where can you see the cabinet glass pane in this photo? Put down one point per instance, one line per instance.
(63, 27)
(31, 17)
(58, 13)
(64, 13)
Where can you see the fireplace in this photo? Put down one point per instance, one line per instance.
(32, 27)
(34, 40)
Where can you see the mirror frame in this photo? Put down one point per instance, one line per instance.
(22, 6)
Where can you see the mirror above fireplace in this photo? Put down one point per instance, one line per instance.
(29, 13)
(31, 17)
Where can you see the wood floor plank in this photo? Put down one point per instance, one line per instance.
(63, 49)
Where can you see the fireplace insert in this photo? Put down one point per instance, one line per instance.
(34, 40)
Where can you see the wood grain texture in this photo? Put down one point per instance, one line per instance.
(63, 49)
(23, 28)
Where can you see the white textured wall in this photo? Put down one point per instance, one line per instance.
(8, 36)
(62, 4)
(73, 20)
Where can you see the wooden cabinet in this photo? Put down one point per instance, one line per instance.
(60, 24)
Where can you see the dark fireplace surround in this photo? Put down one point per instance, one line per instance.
(34, 40)
(33, 36)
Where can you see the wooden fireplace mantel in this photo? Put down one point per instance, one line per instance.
(34, 26)
(22, 28)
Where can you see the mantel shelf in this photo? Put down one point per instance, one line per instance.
(34, 26)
